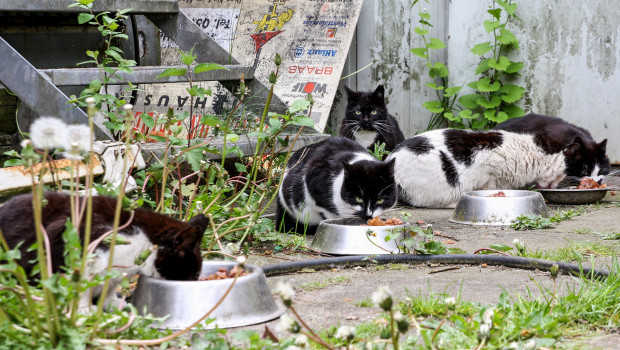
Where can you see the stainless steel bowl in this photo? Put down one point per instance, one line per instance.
(249, 302)
(573, 196)
(475, 208)
(346, 236)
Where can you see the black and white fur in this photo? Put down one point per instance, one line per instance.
(368, 122)
(435, 168)
(330, 179)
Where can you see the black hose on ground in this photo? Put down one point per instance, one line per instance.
(449, 259)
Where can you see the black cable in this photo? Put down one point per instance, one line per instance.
(452, 259)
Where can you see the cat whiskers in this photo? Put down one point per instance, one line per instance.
(383, 129)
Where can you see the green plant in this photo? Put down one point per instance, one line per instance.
(311, 286)
(493, 100)
(409, 245)
(535, 222)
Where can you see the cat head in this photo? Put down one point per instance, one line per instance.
(368, 188)
(366, 110)
(178, 258)
(586, 160)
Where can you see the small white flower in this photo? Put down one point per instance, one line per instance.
(25, 143)
(516, 241)
(293, 347)
(345, 333)
(530, 345)
(302, 341)
(450, 301)
(90, 101)
(487, 317)
(286, 292)
(79, 136)
(398, 316)
(513, 346)
(485, 331)
(127, 107)
(382, 297)
(241, 260)
(48, 133)
(199, 205)
(287, 323)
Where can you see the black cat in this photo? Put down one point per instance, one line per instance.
(330, 179)
(554, 134)
(368, 122)
(177, 255)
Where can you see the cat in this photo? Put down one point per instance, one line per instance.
(368, 122)
(178, 243)
(435, 168)
(333, 178)
(555, 134)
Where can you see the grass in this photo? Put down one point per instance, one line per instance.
(366, 302)
(579, 251)
(313, 286)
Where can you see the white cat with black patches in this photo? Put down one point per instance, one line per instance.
(435, 168)
(332, 179)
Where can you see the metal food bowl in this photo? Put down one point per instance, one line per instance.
(346, 236)
(475, 208)
(573, 196)
(249, 301)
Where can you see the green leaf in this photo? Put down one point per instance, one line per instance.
(188, 57)
(491, 25)
(494, 102)
(298, 106)
(490, 114)
(513, 111)
(114, 54)
(514, 67)
(211, 120)
(510, 8)
(451, 91)
(434, 86)
(469, 101)
(148, 120)
(301, 120)
(84, 17)
(433, 106)
(501, 247)
(438, 70)
(456, 251)
(275, 125)
(420, 31)
(435, 44)
(158, 138)
(419, 51)
(193, 157)
(232, 137)
(485, 85)
(14, 162)
(425, 15)
(467, 114)
(241, 168)
(95, 85)
(451, 117)
(479, 124)
(172, 72)
(507, 38)
(483, 66)
(501, 64)
(205, 67)
(481, 49)
(495, 13)
(512, 93)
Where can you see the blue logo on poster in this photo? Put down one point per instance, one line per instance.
(299, 51)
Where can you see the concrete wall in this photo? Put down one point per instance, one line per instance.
(570, 50)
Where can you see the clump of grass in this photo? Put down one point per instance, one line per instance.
(312, 286)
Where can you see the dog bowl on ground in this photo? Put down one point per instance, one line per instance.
(249, 301)
(573, 196)
(346, 236)
(477, 208)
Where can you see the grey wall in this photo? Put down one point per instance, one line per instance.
(570, 50)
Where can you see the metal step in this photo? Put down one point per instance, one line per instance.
(62, 6)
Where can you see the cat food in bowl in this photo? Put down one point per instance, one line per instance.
(493, 207)
(348, 236)
(184, 302)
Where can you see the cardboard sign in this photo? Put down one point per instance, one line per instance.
(311, 36)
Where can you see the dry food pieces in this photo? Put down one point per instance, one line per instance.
(222, 274)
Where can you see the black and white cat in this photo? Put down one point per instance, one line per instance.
(177, 255)
(333, 178)
(368, 122)
(435, 168)
(554, 134)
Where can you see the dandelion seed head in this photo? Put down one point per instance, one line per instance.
(345, 333)
(48, 133)
(78, 135)
(286, 292)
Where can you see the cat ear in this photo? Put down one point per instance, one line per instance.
(574, 148)
(602, 147)
(379, 91)
(348, 91)
(390, 166)
(200, 221)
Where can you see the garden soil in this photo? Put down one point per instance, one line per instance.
(330, 297)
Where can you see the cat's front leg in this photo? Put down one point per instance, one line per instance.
(85, 305)
(111, 299)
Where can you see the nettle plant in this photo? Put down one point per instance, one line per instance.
(494, 99)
